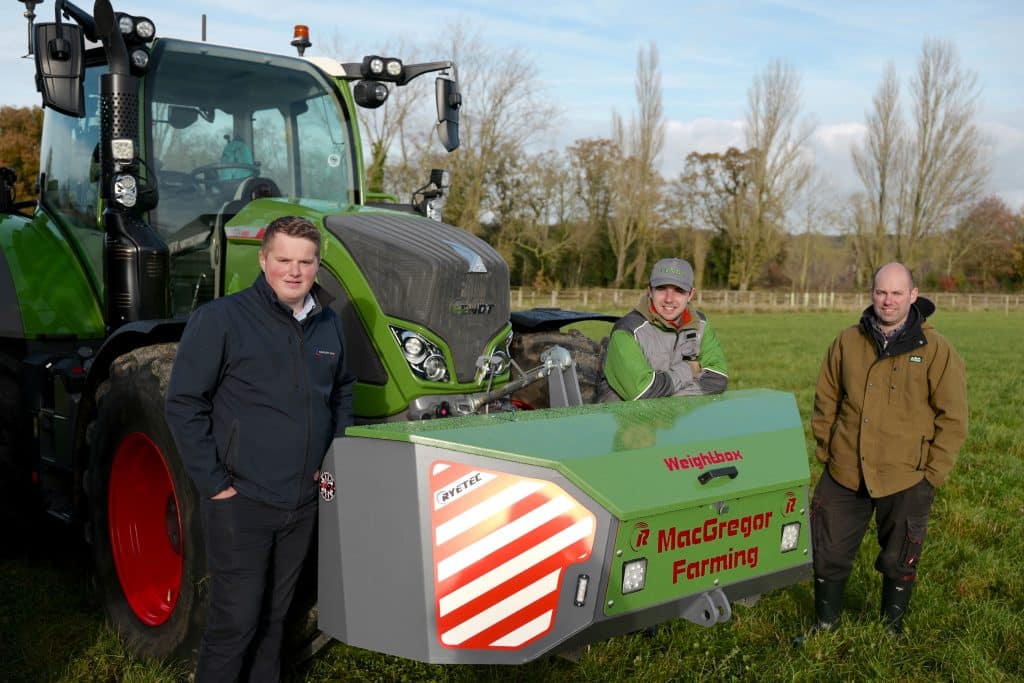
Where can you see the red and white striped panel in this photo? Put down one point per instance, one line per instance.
(502, 544)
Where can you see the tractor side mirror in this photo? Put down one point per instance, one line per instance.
(449, 101)
(60, 67)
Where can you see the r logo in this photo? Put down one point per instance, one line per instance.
(641, 532)
(790, 504)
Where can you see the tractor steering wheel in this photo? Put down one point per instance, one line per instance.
(209, 176)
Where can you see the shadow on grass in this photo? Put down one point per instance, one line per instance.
(51, 614)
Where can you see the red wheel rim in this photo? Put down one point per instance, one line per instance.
(145, 529)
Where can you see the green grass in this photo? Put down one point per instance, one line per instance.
(965, 623)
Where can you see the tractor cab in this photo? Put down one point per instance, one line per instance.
(256, 126)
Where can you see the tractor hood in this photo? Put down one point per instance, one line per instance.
(431, 274)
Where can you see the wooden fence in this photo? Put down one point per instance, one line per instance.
(618, 300)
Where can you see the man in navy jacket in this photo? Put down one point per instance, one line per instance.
(258, 391)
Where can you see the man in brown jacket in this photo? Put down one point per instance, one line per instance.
(890, 414)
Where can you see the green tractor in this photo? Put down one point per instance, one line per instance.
(161, 162)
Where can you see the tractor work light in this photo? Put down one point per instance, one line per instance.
(499, 363)
(434, 368)
(790, 537)
(424, 358)
(370, 94)
(140, 58)
(122, 149)
(383, 68)
(125, 24)
(634, 576)
(125, 190)
(144, 28)
(414, 348)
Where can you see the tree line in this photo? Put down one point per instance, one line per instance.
(761, 215)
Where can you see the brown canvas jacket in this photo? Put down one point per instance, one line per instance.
(893, 416)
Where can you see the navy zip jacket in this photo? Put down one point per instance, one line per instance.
(256, 397)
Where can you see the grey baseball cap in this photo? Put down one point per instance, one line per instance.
(673, 271)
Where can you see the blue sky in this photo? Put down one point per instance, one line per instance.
(585, 55)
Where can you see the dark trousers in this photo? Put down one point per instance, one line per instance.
(254, 553)
(840, 518)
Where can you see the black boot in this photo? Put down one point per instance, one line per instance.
(895, 601)
(828, 604)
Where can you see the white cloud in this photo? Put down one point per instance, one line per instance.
(831, 146)
(1006, 149)
(700, 135)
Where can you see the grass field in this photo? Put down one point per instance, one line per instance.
(965, 623)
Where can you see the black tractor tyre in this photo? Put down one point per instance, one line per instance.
(527, 348)
(17, 503)
(138, 486)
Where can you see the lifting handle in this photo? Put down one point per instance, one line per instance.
(729, 471)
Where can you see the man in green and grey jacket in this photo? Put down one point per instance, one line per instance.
(664, 347)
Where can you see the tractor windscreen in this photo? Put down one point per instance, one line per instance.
(228, 126)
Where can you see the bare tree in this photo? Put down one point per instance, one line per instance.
(389, 126)
(593, 165)
(880, 164)
(633, 216)
(945, 167)
(683, 212)
(776, 139)
(503, 112)
(541, 202)
(814, 213)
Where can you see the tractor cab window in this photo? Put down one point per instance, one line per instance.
(251, 126)
(69, 171)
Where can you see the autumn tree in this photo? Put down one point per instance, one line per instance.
(719, 186)
(633, 217)
(20, 132)
(978, 248)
